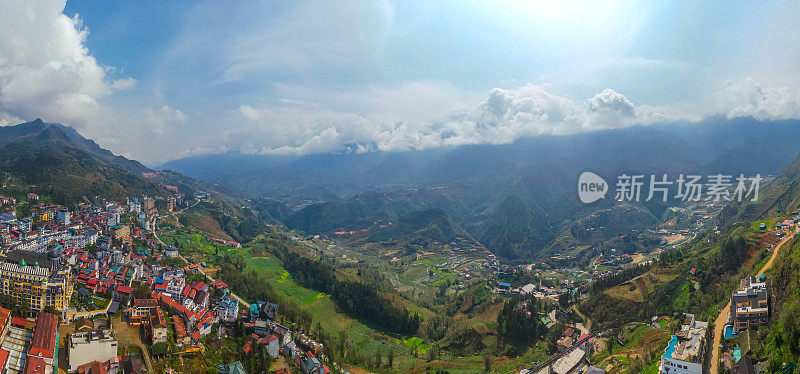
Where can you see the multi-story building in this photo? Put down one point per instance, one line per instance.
(149, 206)
(85, 347)
(749, 304)
(63, 216)
(141, 311)
(174, 285)
(228, 309)
(35, 286)
(685, 353)
(157, 329)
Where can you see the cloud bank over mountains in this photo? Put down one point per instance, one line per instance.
(48, 70)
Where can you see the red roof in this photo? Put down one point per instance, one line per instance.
(36, 365)
(94, 367)
(196, 335)
(3, 357)
(145, 303)
(44, 335)
(124, 289)
(246, 347)
(19, 321)
(268, 339)
(5, 315)
(180, 328)
(219, 284)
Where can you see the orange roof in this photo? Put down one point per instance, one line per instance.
(180, 327)
(5, 315)
(3, 357)
(157, 320)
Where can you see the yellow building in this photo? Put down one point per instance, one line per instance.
(33, 285)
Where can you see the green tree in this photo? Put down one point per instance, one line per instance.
(160, 349)
(142, 291)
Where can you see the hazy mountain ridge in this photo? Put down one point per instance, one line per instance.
(514, 198)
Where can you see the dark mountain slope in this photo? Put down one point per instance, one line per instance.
(418, 227)
(37, 131)
(70, 175)
(70, 168)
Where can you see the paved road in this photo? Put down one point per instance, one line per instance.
(722, 318)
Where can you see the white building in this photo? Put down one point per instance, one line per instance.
(63, 217)
(685, 352)
(85, 347)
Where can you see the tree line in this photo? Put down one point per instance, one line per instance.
(519, 322)
(618, 278)
(359, 300)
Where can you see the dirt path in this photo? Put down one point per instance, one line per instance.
(128, 335)
(722, 318)
(585, 329)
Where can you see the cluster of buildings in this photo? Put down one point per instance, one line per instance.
(28, 345)
(95, 349)
(189, 304)
(278, 339)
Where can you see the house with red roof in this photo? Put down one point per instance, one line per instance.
(273, 345)
(43, 342)
(37, 365)
(5, 319)
(141, 311)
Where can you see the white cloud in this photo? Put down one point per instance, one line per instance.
(503, 116)
(45, 69)
(161, 119)
(610, 102)
(324, 85)
(249, 112)
(123, 84)
(7, 119)
(750, 99)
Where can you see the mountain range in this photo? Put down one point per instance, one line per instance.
(517, 199)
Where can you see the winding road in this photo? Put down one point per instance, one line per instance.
(722, 318)
(155, 234)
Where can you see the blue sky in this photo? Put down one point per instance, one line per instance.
(159, 80)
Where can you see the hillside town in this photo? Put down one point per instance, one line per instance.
(90, 290)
